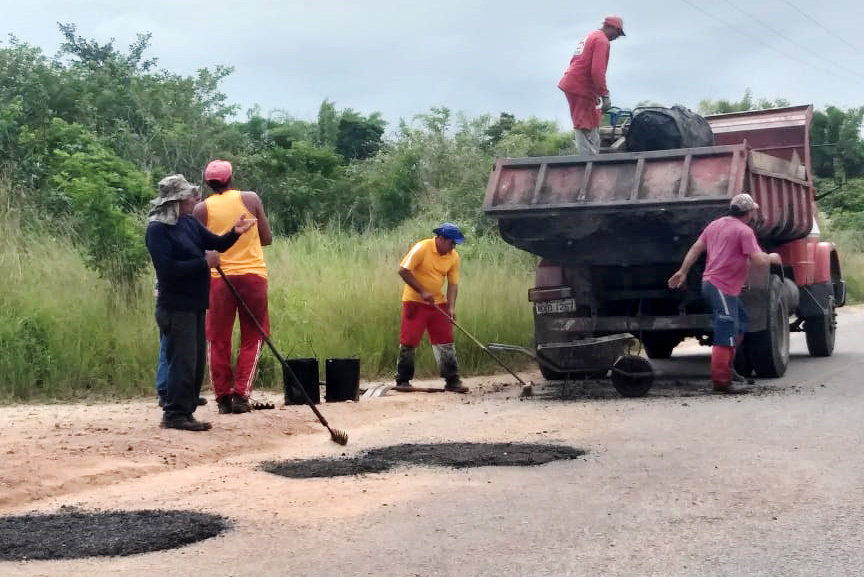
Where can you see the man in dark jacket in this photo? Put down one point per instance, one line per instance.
(182, 250)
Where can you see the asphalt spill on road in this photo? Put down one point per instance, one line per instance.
(73, 534)
(453, 455)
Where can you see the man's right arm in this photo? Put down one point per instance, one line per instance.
(412, 281)
(677, 279)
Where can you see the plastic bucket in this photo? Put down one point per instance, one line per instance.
(342, 380)
(306, 371)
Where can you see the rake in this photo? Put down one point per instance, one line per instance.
(288, 376)
(527, 389)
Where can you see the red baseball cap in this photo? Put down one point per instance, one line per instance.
(615, 22)
(219, 170)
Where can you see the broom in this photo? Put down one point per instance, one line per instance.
(337, 436)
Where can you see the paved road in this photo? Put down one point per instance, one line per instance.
(682, 483)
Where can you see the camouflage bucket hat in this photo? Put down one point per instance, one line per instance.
(172, 189)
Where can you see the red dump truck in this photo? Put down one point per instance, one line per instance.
(612, 228)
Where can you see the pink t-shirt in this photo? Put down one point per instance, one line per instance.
(730, 242)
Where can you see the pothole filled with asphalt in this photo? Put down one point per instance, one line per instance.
(596, 389)
(73, 534)
(453, 455)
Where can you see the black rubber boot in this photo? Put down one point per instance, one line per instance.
(448, 365)
(405, 365)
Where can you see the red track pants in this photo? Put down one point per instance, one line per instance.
(220, 325)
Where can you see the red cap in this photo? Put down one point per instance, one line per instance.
(219, 170)
(615, 22)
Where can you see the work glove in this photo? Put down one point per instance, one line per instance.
(606, 102)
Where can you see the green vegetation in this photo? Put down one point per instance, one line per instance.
(85, 136)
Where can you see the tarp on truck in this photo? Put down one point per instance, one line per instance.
(667, 129)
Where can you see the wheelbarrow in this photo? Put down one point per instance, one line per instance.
(631, 375)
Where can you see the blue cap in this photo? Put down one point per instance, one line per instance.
(450, 231)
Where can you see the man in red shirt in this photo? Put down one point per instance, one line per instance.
(584, 84)
(731, 245)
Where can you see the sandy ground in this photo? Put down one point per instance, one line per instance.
(678, 483)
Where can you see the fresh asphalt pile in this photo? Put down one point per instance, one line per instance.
(73, 534)
(453, 455)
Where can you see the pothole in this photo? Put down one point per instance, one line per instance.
(72, 534)
(454, 455)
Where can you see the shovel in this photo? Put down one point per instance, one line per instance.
(527, 389)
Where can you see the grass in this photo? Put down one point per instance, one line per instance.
(850, 247)
(65, 335)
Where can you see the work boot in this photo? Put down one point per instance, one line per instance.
(741, 379)
(454, 385)
(225, 404)
(405, 365)
(240, 404)
(184, 423)
(728, 389)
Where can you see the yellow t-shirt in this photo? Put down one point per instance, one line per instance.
(247, 255)
(429, 268)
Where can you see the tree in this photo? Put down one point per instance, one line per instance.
(837, 148)
(358, 136)
(707, 107)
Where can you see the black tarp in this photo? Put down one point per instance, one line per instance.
(667, 128)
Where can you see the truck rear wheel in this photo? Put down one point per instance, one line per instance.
(659, 345)
(769, 349)
(821, 333)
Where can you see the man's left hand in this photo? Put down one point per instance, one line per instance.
(606, 102)
(244, 224)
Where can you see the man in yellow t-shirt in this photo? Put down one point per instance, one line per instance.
(424, 269)
(244, 265)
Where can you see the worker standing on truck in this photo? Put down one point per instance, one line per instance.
(424, 269)
(731, 245)
(584, 84)
(243, 264)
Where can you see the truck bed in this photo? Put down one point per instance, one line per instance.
(643, 207)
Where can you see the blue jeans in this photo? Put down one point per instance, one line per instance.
(730, 318)
(162, 369)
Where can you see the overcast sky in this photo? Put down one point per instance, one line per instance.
(401, 57)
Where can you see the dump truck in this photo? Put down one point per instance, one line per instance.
(610, 229)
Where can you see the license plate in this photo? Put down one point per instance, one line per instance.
(554, 307)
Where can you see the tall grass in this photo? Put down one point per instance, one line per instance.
(65, 335)
(850, 247)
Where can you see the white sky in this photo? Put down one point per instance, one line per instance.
(476, 56)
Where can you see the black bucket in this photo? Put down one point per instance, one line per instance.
(306, 371)
(342, 378)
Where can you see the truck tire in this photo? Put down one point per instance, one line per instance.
(658, 345)
(769, 349)
(821, 333)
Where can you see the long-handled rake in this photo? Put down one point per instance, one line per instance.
(527, 389)
(288, 375)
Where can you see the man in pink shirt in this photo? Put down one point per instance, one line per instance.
(584, 84)
(731, 245)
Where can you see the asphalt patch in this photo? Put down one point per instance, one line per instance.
(453, 455)
(73, 534)
(602, 389)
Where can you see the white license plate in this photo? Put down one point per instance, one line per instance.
(553, 307)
